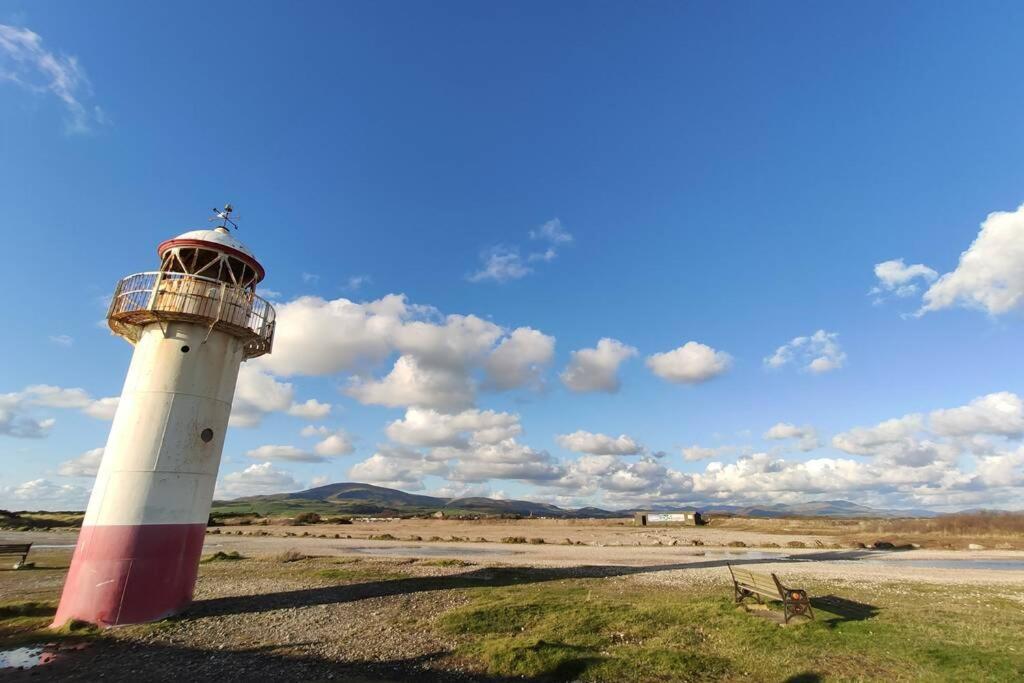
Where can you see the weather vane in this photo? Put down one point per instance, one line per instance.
(224, 215)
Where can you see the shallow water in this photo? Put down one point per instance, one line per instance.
(25, 657)
(1006, 565)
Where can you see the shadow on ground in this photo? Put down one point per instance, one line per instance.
(484, 576)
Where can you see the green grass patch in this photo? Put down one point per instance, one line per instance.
(614, 630)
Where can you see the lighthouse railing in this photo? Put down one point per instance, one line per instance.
(160, 295)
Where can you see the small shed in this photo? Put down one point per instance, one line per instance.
(682, 518)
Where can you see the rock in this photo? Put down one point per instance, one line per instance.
(975, 546)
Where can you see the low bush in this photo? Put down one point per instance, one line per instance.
(514, 539)
(291, 555)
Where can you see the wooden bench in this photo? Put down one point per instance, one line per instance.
(15, 550)
(748, 584)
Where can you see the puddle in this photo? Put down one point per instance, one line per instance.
(26, 657)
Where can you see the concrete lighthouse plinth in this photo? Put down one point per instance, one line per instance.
(138, 552)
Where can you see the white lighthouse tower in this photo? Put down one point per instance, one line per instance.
(192, 322)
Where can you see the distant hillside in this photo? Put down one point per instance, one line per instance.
(352, 498)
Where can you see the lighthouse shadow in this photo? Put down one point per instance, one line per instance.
(482, 577)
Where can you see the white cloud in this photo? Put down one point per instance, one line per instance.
(697, 452)
(599, 444)
(411, 384)
(396, 467)
(438, 356)
(15, 423)
(85, 465)
(896, 277)
(43, 494)
(519, 360)
(319, 481)
(257, 394)
(425, 427)
(24, 62)
(357, 281)
(552, 231)
(62, 340)
(818, 353)
(597, 369)
(336, 443)
(310, 409)
(319, 337)
(287, 453)
(868, 440)
(501, 263)
(1000, 413)
(255, 480)
(807, 435)
(691, 363)
(990, 274)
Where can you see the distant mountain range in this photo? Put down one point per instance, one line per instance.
(365, 499)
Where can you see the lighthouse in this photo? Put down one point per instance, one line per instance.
(192, 323)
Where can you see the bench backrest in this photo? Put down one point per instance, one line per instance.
(765, 584)
(15, 547)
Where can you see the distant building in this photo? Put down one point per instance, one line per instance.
(685, 518)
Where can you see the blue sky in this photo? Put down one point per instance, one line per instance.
(726, 175)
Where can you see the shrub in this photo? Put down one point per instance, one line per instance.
(796, 544)
(383, 537)
(291, 555)
(307, 518)
(736, 544)
(514, 539)
(536, 541)
(221, 556)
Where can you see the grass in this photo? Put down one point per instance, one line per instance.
(610, 630)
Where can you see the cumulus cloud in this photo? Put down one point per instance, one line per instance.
(311, 409)
(599, 444)
(807, 435)
(519, 360)
(597, 369)
(26, 63)
(43, 494)
(818, 353)
(410, 383)
(691, 363)
(1000, 413)
(425, 427)
(896, 277)
(15, 423)
(396, 467)
(85, 465)
(287, 453)
(697, 452)
(990, 274)
(439, 357)
(338, 443)
(258, 394)
(75, 399)
(255, 480)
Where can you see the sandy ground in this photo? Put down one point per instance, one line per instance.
(635, 550)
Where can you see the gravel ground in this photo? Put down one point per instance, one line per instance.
(371, 617)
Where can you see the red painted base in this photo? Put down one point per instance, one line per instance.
(131, 574)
